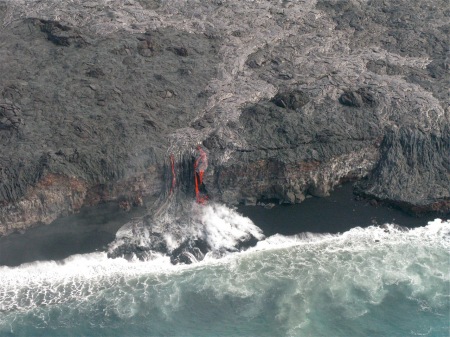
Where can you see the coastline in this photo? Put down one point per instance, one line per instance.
(94, 228)
(90, 230)
(336, 213)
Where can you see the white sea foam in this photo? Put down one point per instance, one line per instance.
(353, 269)
(359, 238)
(351, 273)
(224, 227)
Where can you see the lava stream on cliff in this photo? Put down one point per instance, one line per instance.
(184, 227)
(200, 165)
(174, 179)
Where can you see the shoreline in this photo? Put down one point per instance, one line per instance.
(94, 228)
(336, 213)
(90, 230)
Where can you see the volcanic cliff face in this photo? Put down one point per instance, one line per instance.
(289, 98)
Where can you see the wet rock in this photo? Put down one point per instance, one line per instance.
(189, 252)
(269, 205)
(250, 242)
(134, 240)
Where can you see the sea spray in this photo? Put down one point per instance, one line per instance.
(202, 229)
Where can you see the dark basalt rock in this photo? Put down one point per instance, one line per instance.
(180, 51)
(350, 99)
(290, 100)
(96, 73)
(142, 239)
(148, 45)
(189, 251)
(92, 104)
(59, 34)
(10, 116)
(192, 251)
(150, 4)
(413, 171)
(129, 251)
(251, 242)
(132, 246)
(357, 98)
(110, 112)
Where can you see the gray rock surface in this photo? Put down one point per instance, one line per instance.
(290, 98)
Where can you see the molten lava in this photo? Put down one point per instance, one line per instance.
(200, 165)
(174, 179)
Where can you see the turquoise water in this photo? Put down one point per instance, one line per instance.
(364, 282)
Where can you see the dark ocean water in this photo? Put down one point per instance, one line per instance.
(371, 281)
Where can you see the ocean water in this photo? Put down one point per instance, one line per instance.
(374, 281)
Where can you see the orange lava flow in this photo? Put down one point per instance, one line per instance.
(174, 179)
(200, 165)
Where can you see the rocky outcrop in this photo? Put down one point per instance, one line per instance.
(288, 98)
(290, 153)
(413, 171)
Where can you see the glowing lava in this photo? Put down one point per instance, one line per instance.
(200, 165)
(174, 179)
